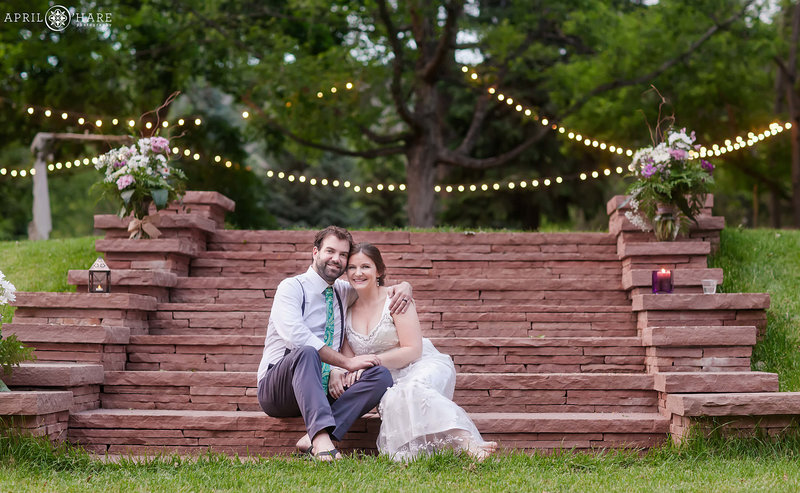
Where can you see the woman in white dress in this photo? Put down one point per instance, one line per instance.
(418, 415)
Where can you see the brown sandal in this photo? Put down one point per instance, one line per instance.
(332, 453)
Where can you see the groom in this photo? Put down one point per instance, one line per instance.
(301, 358)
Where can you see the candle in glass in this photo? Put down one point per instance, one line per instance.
(662, 281)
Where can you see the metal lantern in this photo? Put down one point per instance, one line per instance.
(99, 277)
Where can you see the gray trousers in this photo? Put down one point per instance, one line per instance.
(293, 387)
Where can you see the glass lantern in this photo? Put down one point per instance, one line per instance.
(99, 277)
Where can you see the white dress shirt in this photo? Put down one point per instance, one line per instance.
(291, 327)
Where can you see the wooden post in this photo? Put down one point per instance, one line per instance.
(42, 148)
(42, 224)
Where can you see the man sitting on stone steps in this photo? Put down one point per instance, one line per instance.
(301, 359)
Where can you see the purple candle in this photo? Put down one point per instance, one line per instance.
(662, 281)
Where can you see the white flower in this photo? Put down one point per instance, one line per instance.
(7, 290)
(680, 140)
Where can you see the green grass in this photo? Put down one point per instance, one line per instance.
(768, 261)
(43, 265)
(704, 465)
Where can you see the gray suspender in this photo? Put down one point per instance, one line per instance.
(341, 310)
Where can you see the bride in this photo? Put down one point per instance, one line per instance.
(417, 413)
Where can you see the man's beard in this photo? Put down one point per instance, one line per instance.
(323, 269)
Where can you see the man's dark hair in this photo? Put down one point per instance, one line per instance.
(336, 231)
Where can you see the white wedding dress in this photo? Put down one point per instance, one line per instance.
(417, 413)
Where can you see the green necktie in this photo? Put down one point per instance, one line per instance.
(329, 326)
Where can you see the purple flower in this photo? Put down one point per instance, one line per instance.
(648, 171)
(706, 165)
(119, 164)
(159, 144)
(679, 154)
(125, 181)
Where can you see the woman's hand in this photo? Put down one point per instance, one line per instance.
(337, 382)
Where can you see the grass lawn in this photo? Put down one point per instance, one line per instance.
(43, 265)
(768, 261)
(32, 465)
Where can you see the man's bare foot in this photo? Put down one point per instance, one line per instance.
(481, 452)
(304, 444)
(322, 447)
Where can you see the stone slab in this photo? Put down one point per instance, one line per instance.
(125, 246)
(715, 382)
(616, 203)
(657, 248)
(118, 301)
(165, 221)
(42, 374)
(208, 198)
(57, 333)
(575, 422)
(734, 404)
(34, 402)
(711, 335)
(720, 301)
(128, 277)
(680, 277)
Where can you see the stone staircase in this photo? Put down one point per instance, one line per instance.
(556, 338)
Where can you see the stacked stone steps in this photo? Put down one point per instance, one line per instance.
(530, 319)
(568, 290)
(418, 255)
(82, 380)
(486, 354)
(135, 431)
(475, 392)
(438, 318)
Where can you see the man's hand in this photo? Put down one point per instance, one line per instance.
(337, 382)
(360, 362)
(401, 298)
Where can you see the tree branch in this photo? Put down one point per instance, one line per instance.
(397, 67)
(616, 84)
(383, 139)
(455, 158)
(478, 117)
(369, 153)
(784, 70)
(447, 39)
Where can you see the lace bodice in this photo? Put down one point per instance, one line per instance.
(380, 338)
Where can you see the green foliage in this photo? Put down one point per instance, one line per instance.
(12, 353)
(273, 58)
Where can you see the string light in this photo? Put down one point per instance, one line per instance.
(95, 121)
(730, 145)
(335, 183)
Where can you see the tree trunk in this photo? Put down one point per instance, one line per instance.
(421, 177)
(774, 208)
(794, 112)
(793, 102)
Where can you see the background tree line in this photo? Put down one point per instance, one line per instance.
(726, 66)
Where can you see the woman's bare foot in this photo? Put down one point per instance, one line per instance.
(481, 451)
